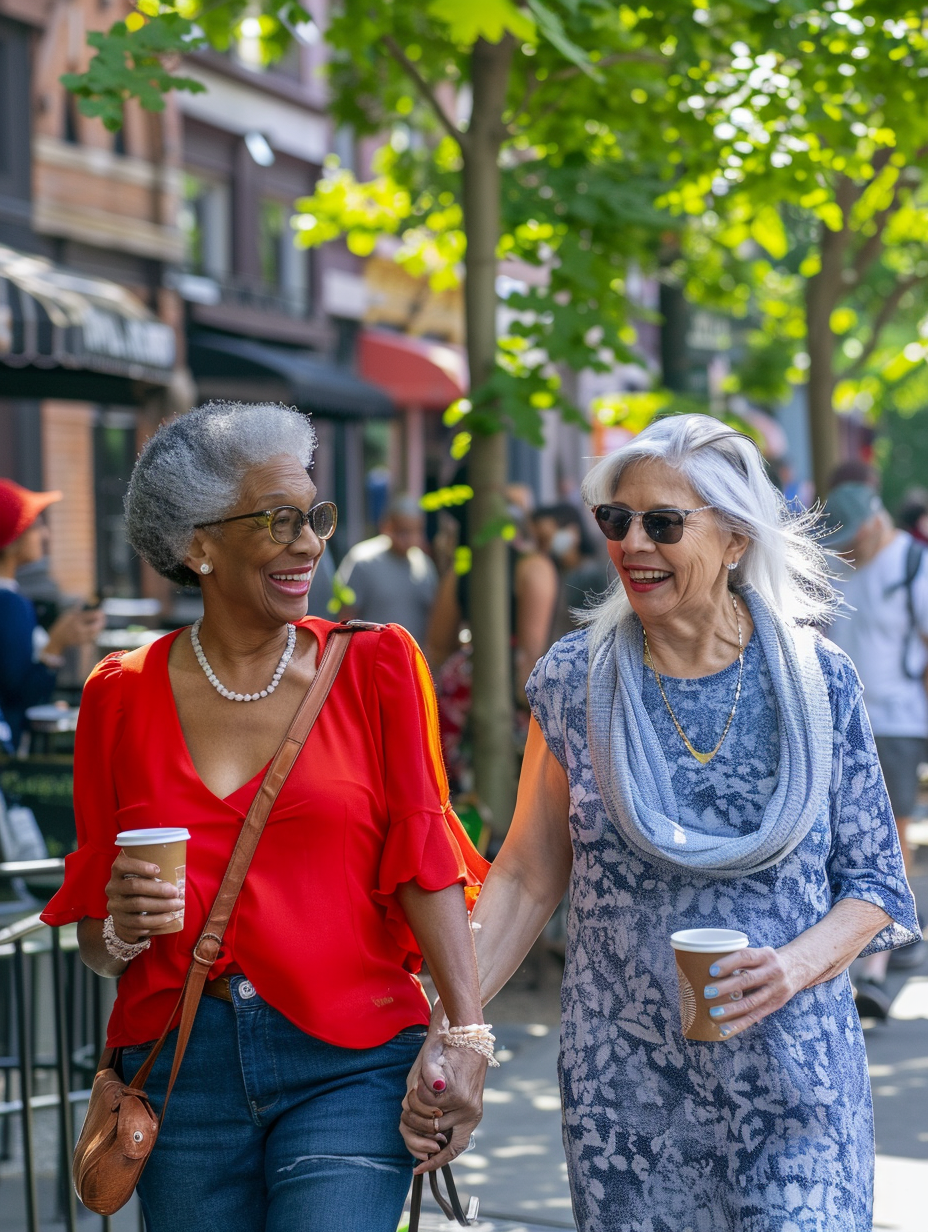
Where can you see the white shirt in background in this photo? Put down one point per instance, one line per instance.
(875, 635)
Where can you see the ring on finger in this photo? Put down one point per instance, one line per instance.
(737, 995)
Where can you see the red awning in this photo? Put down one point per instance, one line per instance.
(415, 372)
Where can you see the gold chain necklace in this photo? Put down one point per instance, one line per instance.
(702, 758)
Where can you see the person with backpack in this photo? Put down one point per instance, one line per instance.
(884, 630)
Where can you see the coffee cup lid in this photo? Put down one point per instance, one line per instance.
(709, 940)
(145, 838)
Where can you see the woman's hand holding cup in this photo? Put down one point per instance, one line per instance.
(750, 984)
(139, 903)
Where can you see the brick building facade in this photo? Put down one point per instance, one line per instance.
(92, 355)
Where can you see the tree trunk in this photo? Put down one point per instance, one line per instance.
(491, 716)
(823, 292)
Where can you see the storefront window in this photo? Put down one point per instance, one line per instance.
(252, 53)
(118, 572)
(205, 217)
(283, 266)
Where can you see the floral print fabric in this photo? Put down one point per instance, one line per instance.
(771, 1131)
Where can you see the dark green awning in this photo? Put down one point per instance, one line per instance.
(302, 378)
(62, 331)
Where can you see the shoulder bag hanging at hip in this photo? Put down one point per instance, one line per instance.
(121, 1126)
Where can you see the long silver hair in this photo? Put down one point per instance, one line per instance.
(784, 562)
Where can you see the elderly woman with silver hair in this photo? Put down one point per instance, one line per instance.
(700, 758)
(285, 1113)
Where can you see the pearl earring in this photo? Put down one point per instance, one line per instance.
(732, 565)
(206, 567)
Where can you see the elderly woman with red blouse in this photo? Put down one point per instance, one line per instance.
(285, 1114)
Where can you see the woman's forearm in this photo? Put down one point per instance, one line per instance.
(530, 875)
(439, 921)
(830, 946)
(94, 953)
(511, 918)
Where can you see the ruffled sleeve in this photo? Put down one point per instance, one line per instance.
(425, 841)
(865, 861)
(87, 870)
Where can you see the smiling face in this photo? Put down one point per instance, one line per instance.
(253, 579)
(664, 580)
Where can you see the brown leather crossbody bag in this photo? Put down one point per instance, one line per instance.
(121, 1127)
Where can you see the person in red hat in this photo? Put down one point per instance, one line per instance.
(30, 658)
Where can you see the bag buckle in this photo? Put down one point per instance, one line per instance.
(198, 957)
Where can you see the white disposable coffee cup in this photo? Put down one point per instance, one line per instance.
(695, 950)
(165, 846)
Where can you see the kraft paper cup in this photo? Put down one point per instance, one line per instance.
(165, 846)
(695, 950)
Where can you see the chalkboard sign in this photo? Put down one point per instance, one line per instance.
(46, 785)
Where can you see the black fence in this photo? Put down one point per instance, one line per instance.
(53, 1014)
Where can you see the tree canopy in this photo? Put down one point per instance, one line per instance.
(765, 156)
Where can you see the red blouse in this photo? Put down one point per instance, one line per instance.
(317, 927)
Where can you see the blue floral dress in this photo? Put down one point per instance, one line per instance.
(771, 1131)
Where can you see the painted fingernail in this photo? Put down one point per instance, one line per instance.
(725, 1032)
(438, 1084)
(709, 992)
(715, 969)
(717, 1011)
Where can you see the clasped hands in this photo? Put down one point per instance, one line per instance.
(444, 1099)
(139, 903)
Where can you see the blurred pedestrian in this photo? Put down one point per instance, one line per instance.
(913, 514)
(285, 1113)
(321, 591)
(700, 758)
(884, 582)
(6, 736)
(29, 656)
(391, 578)
(533, 585)
(582, 577)
(855, 470)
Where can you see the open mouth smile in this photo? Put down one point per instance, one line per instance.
(643, 580)
(293, 582)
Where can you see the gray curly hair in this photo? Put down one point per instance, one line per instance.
(783, 562)
(191, 470)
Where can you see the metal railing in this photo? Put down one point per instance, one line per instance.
(53, 1013)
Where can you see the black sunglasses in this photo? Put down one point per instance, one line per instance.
(660, 525)
(285, 523)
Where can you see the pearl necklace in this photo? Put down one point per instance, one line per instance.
(221, 688)
(702, 758)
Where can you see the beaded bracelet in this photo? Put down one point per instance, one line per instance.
(117, 948)
(478, 1037)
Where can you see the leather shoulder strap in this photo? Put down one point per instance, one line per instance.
(207, 948)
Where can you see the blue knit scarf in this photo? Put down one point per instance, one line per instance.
(631, 767)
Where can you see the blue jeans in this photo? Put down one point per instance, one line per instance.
(272, 1130)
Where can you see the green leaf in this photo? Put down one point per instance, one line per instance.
(496, 528)
(470, 20)
(128, 64)
(551, 26)
(768, 230)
